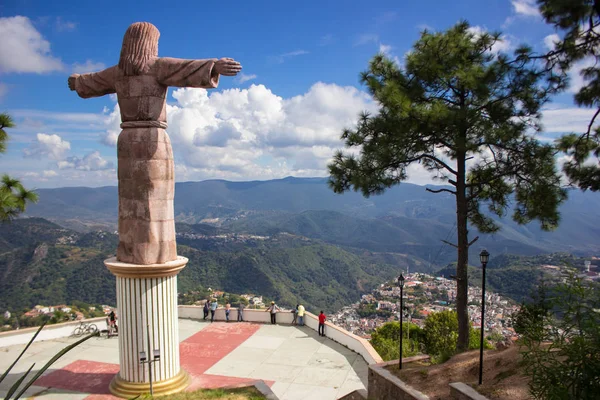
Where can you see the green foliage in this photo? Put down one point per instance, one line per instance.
(386, 340)
(36, 270)
(370, 310)
(21, 354)
(13, 195)
(456, 94)
(18, 383)
(457, 99)
(5, 122)
(561, 341)
(578, 22)
(531, 319)
(517, 276)
(441, 334)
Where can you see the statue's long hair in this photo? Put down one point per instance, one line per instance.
(140, 45)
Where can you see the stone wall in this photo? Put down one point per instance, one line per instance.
(383, 385)
(333, 332)
(360, 394)
(461, 391)
(50, 332)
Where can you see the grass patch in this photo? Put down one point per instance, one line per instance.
(249, 393)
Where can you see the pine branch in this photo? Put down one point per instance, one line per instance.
(440, 191)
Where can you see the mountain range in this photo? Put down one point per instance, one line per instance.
(405, 219)
(292, 239)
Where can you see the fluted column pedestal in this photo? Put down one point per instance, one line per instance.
(147, 305)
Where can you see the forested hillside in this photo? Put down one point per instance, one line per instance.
(42, 263)
(406, 219)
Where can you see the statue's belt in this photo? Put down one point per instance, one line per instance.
(144, 124)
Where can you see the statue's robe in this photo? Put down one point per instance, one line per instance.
(145, 168)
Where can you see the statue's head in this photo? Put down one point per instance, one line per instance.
(140, 45)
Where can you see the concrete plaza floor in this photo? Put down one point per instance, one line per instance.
(294, 361)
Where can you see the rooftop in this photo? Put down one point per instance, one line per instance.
(294, 361)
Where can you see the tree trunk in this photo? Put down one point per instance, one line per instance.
(462, 262)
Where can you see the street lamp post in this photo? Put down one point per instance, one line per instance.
(401, 286)
(146, 360)
(409, 316)
(484, 256)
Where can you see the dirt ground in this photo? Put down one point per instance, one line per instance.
(502, 375)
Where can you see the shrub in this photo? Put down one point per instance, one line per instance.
(386, 340)
(561, 341)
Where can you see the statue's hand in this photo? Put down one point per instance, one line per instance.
(72, 80)
(227, 66)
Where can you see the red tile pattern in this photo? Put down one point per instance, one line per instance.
(81, 376)
(198, 353)
(204, 349)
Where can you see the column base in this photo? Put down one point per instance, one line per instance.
(126, 390)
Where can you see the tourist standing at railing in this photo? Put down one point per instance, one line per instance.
(113, 321)
(273, 309)
(206, 309)
(322, 319)
(213, 308)
(295, 314)
(300, 315)
(241, 312)
(227, 310)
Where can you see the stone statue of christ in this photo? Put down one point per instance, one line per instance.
(145, 167)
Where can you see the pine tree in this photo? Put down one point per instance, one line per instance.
(469, 115)
(578, 21)
(13, 196)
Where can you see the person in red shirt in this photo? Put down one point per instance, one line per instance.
(322, 319)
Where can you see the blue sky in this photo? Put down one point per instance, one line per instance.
(282, 117)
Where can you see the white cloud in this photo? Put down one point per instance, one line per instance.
(255, 134)
(285, 56)
(65, 26)
(526, 8)
(49, 173)
(88, 118)
(577, 81)
(522, 9)
(502, 45)
(551, 40)
(385, 49)
(425, 27)
(51, 146)
(566, 119)
(245, 78)
(113, 127)
(366, 38)
(88, 66)
(90, 162)
(23, 49)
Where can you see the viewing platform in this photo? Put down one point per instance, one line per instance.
(295, 362)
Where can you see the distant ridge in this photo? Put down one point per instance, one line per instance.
(405, 219)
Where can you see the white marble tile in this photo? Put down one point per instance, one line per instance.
(298, 391)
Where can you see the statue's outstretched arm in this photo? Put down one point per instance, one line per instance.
(94, 84)
(195, 73)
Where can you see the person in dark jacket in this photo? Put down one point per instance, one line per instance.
(206, 310)
(273, 309)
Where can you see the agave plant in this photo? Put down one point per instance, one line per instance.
(58, 355)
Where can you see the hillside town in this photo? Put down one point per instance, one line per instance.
(423, 294)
